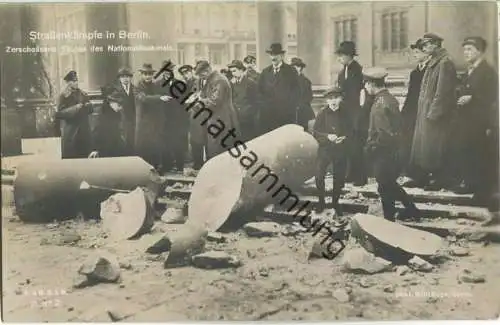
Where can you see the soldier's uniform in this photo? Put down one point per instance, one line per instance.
(330, 121)
(383, 145)
(72, 116)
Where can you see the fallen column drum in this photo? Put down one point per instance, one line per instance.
(283, 160)
(48, 190)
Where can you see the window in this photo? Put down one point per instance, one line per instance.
(181, 54)
(238, 52)
(394, 31)
(345, 29)
(216, 56)
(252, 49)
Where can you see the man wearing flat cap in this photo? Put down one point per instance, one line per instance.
(436, 107)
(333, 130)
(244, 90)
(410, 106)
(350, 79)
(383, 145)
(304, 109)
(476, 123)
(73, 110)
(250, 63)
(215, 97)
(150, 117)
(277, 86)
(116, 131)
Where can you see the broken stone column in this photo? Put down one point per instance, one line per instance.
(48, 190)
(270, 168)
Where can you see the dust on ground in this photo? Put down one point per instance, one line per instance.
(276, 281)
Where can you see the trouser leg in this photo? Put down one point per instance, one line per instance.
(339, 179)
(321, 165)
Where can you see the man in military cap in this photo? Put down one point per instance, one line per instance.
(383, 145)
(304, 109)
(117, 121)
(244, 90)
(477, 123)
(197, 132)
(436, 106)
(150, 117)
(333, 129)
(73, 110)
(350, 79)
(250, 63)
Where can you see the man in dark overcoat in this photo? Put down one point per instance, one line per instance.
(73, 110)
(216, 97)
(477, 100)
(150, 117)
(244, 90)
(176, 122)
(383, 145)
(250, 63)
(410, 106)
(116, 131)
(436, 106)
(350, 80)
(278, 87)
(197, 132)
(304, 109)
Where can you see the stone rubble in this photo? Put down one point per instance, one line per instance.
(358, 260)
(419, 264)
(215, 260)
(262, 229)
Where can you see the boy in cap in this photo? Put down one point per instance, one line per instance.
(73, 110)
(333, 130)
(478, 121)
(250, 63)
(383, 144)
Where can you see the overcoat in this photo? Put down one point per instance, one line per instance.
(216, 96)
(150, 122)
(305, 112)
(116, 132)
(197, 132)
(351, 85)
(244, 100)
(436, 105)
(72, 114)
(278, 97)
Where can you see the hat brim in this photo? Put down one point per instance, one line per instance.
(147, 70)
(125, 74)
(275, 52)
(344, 52)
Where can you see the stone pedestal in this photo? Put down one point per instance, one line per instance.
(312, 40)
(270, 29)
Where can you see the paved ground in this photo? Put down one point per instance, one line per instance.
(275, 282)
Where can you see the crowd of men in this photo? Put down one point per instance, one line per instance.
(445, 136)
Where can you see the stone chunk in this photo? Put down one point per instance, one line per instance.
(459, 251)
(418, 264)
(216, 237)
(101, 269)
(341, 295)
(215, 260)
(468, 276)
(359, 260)
(262, 229)
(402, 270)
(174, 216)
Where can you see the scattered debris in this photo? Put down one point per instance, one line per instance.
(366, 283)
(459, 251)
(402, 270)
(115, 316)
(292, 230)
(468, 276)
(128, 216)
(186, 242)
(101, 269)
(125, 265)
(81, 281)
(262, 229)
(393, 238)
(69, 238)
(359, 260)
(215, 260)
(418, 264)
(216, 237)
(389, 288)
(327, 247)
(341, 295)
(174, 215)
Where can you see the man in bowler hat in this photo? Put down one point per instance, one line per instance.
(277, 86)
(350, 80)
(304, 109)
(333, 130)
(383, 146)
(73, 110)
